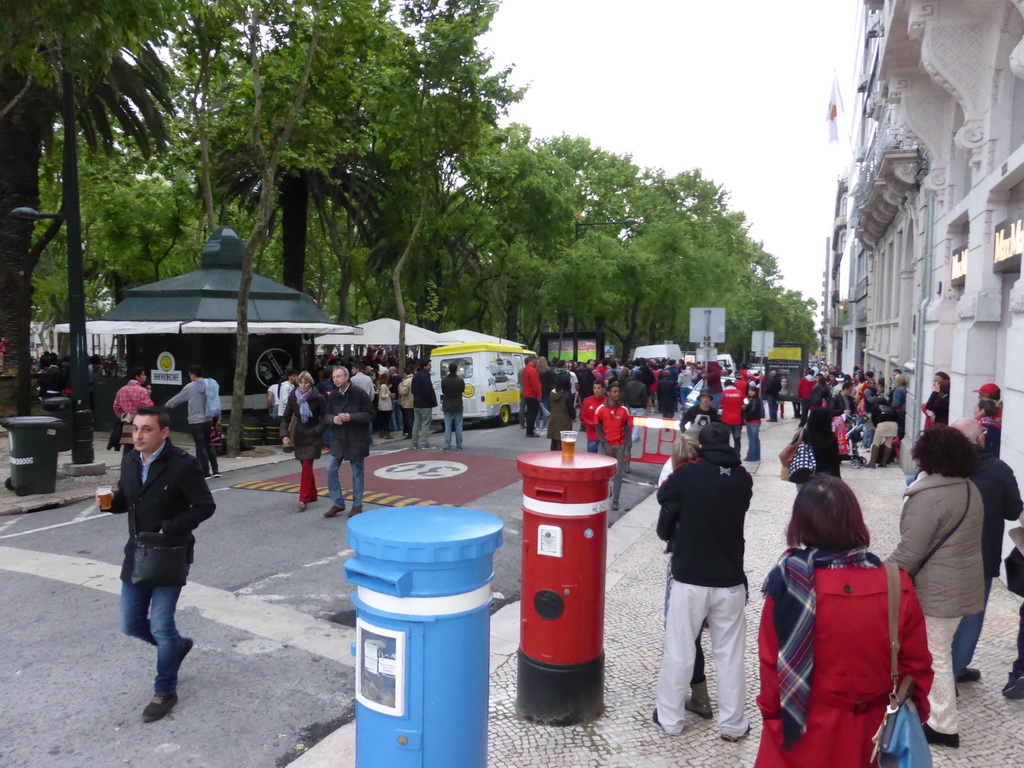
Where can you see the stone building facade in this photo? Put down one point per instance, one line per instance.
(936, 215)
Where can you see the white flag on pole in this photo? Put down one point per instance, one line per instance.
(833, 113)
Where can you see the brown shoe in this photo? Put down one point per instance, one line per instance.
(300, 506)
(355, 511)
(335, 509)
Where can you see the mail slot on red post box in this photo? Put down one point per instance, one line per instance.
(561, 641)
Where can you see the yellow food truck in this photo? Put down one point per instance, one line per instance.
(491, 372)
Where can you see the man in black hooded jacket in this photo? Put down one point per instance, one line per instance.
(703, 508)
(1001, 497)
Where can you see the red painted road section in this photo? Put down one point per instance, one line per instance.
(485, 474)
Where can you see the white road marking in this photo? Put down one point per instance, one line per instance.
(332, 558)
(76, 520)
(14, 519)
(274, 622)
(88, 510)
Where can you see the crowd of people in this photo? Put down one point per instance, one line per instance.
(823, 643)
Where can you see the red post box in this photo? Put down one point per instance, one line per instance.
(561, 640)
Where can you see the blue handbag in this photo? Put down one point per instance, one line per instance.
(900, 741)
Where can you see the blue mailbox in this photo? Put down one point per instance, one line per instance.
(423, 600)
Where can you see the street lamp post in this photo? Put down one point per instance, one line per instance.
(82, 452)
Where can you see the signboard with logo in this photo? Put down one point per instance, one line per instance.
(271, 365)
(959, 267)
(165, 371)
(1009, 244)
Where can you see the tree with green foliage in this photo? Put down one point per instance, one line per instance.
(121, 90)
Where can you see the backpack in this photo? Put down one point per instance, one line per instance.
(212, 398)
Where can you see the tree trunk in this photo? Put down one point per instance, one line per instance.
(396, 276)
(20, 153)
(294, 211)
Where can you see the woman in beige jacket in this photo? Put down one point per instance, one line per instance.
(940, 547)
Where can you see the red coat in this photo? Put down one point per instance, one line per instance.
(851, 664)
(803, 389)
(531, 382)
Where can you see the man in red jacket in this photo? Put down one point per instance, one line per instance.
(588, 417)
(612, 427)
(713, 385)
(803, 395)
(732, 413)
(531, 394)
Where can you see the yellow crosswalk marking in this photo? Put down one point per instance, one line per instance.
(374, 497)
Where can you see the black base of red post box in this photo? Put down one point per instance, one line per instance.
(560, 694)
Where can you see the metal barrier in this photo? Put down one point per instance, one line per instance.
(662, 445)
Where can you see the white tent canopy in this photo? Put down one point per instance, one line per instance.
(473, 337)
(383, 331)
(131, 327)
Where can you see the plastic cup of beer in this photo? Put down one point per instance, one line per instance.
(106, 497)
(568, 445)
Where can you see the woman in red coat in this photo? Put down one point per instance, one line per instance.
(824, 638)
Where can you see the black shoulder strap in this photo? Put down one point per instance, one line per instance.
(942, 541)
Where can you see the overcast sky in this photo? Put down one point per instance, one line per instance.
(737, 88)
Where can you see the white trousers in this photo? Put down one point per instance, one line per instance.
(942, 698)
(688, 605)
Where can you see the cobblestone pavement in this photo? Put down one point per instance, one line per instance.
(991, 727)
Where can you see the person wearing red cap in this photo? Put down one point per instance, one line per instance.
(989, 413)
(989, 391)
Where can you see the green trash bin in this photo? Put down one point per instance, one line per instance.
(33, 453)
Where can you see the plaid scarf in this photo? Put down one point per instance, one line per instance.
(791, 585)
(302, 399)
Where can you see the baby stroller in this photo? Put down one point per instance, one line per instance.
(855, 436)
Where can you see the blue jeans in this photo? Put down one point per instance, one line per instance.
(683, 392)
(869, 437)
(593, 446)
(753, 441)
(636, 430)
(773, 410)
(157, 629)
(451, 420)
(207, 454)
(965, 640)
(334, 489)
(716, 400)
(396, 419)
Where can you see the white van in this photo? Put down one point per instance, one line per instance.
(491, 372)
(657, 352)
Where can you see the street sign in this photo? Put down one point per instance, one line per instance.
(707, 324)
(761, 343)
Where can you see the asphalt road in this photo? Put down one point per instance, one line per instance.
(267, 604)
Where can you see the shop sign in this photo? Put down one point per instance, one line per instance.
(1009, 244)
(959, 276)
(165, 372)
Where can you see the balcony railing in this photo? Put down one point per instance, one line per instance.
(890, 135)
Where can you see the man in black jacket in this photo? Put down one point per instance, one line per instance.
(1001, 497)
(349, 411)
(453, 388)
(424, 400)
(164, 491)
(772, 388)
(703, 507)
